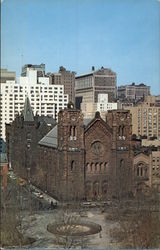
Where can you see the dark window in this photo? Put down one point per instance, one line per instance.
(72, 165)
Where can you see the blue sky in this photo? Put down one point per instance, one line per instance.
(123, 35)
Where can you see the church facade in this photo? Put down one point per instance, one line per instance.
(77, 158)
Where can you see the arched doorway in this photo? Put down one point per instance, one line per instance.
(96, 190)
(104, 189)
(88, 190)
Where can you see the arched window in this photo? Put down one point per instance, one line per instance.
(141, 170)
(88, 190)
(121, 163)
(96, 166)
(104, 188)
(87, 167)
(74, 131)
(105, 166)
(92, 166)
(138, 171)
(101, 167)
(119, 131)
(72, 165)
(122, 131)
(70, 131)
(96, 190)
(146, 171)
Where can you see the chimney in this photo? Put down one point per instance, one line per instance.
(93, 69)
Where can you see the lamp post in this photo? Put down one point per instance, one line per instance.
(28, 178)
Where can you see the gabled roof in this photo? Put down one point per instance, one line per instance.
(98, 118)
(142, 150)
(50, 140)
(27, 112)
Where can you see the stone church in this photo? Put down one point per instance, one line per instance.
(76, 158)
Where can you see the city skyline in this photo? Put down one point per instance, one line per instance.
(121, 35)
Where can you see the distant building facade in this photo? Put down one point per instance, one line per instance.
(45, 99)
(146, 118)
(6, 75)
(133, 91)
(102, 81)
(33, 74)
(39, 68)
(78, 159)
(89, 109)
(67, 79)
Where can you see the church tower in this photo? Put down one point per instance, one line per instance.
(121, 123)
(71, 154)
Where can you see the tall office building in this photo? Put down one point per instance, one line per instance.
(133, 91)
(66, 78)
(45, 99)
(102, 81)
(146, 118)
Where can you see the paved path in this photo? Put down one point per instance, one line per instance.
(37, 228)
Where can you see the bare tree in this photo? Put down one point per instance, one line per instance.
(66, 230)
(139, 225)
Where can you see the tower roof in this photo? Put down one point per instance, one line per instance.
(27, 112)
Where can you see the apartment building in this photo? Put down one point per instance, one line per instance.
(146, 118)
(66, 78)
(156, 169)
(89, 109)
(45, 99)
(151, 143)
(133, 91)
(31, 76)
(102, 81)
(5, 76)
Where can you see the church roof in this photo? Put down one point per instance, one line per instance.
(3, 158)
(90, 122)
(27, 112)
(50, 139)
(86, 121)
(47, 119)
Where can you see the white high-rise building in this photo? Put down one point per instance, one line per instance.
(45, 99)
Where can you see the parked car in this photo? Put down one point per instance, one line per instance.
(86, 203)
(40, 196)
